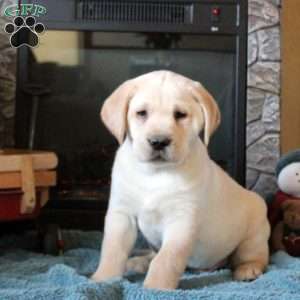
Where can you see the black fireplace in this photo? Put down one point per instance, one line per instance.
(90, 47)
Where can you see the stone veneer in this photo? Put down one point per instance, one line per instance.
(263, 92)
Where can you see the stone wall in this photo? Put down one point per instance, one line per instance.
(7, 83)
(263, 105)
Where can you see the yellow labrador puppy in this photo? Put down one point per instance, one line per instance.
(164, 182)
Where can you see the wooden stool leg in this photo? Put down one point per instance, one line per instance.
(28, 185)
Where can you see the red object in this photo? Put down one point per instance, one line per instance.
(216, 11)
(10, 203)
(274, 211)
(292, 245)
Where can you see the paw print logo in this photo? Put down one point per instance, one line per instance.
(24, 31)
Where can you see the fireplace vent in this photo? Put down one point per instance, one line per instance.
(135, 12)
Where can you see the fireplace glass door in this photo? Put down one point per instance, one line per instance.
(80, 69)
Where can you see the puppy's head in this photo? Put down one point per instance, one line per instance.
(162, 113)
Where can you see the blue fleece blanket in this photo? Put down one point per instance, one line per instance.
(28, 275)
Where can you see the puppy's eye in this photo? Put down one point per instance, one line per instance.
(142, 113)
(179, 115)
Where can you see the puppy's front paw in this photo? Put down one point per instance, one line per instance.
(248, 271)
(155, 284)
(99, 276)
(160, 283)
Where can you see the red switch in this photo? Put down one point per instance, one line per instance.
(215, 14)
(216, 11)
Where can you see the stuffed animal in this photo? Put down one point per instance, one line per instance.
(288, 180)
(286, 234)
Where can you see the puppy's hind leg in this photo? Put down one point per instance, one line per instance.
(140, 263)
(252, 256)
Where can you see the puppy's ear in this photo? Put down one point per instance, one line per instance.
(211, 112)
(114, 110)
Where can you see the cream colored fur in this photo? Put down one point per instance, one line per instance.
(185, 205)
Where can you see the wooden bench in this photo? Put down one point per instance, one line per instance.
(31, 174)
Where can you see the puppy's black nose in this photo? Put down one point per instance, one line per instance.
(159, 142)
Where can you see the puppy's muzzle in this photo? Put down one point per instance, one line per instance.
(159, 143)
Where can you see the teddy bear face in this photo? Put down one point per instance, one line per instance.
(291, 213)
(292, 219)
(289, 179)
